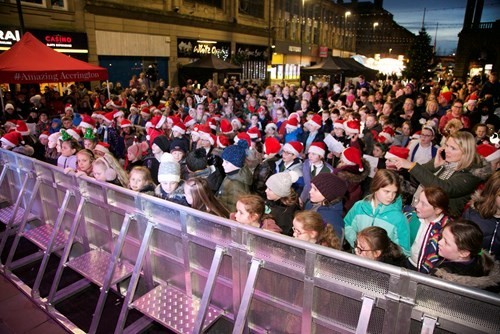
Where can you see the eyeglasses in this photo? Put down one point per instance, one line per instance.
(358, 249)
(426, 136)
(289, 153)
(458, 107)
(297, 231)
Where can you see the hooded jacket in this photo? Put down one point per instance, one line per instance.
(331, 214)
(459, 186)
(234, 185)
(389, 217)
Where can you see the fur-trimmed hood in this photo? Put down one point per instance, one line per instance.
(482, 170)
(482, 282)
(352, 174)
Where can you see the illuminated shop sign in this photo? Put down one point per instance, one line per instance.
(68, 42)
(192, 48)
(252, 52)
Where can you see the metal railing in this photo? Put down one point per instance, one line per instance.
(185, 269)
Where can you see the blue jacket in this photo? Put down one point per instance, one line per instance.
(389, 217)
(332, 214)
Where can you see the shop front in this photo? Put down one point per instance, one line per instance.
(253, 59)
(288, 59)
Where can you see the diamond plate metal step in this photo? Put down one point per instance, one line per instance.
(40, 236)
(94, 264)
(173, 309)
(7, 213)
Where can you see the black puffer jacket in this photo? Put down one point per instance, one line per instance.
(260, 175)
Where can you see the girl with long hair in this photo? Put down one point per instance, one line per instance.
(310, 226)
(250, 210)
(200, 197)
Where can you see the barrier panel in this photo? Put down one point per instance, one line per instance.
(185, 269)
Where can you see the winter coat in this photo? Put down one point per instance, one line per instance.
(283, 215)
(65, 162)
(295, 135)
(306, 172)
(459, 186)
(470, 274)
(490, 228)
(211, 174)
(151, 163)
(234, 185)
(261, 173)
(176, 196)
(296, 166)
(148, 189)
(389, 217)
(331, 214)
(354, 179)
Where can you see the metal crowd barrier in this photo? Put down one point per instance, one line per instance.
(185, 269)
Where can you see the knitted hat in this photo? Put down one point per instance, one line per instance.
(197, 160)
(179, 145)
(254, 133)
(339, 124)
(243, 136)
(222, 141)
(271, 146)
(316, 121)
(162, 142)
(236, 154)
(22, 128)
(489, 152)
(292, 124)
(179, 127)
(225, 126)
(169, 170)
(352, 156)
(397, 152)
(9, 106)
(352, 127)
(11, 139)
(102, 147)
(87, 122)
(330, 185)
(294, 147)
(281, 183)
(136, 150)
(318, 148)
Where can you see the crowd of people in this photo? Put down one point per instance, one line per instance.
(406, 174)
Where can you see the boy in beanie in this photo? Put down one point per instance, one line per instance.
(197, 166)
(312, 166)
(327, 191)
(238, 176)
(160, 145)
(171, 188)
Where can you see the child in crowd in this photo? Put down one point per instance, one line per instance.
(171, 188)
(282, 199)
(464, 261)
(327, 191)
(250, 211)
(69, 147)
(89, 139)
(200, 197)
(140, 180)
(312, 166)
(382, 208)
(84, 160)
(374, 243)
(310, 226)
(108, 169)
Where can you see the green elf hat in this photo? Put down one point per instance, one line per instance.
(65, 135)
(89, 134)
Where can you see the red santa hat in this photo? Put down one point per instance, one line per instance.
(145, 112)
(161, 121)
(254, 133)
(272, 146)
(225, 126)
(134, 108)
(189, 121)
(108, 117)
(11, 139)
(294, 115)
(352, 156)
(118, 113)
(203, 129)
(102, 147)
(293, 147)
(352, 127)
(125, 124)
(318, 148)
(179, 127)
(212, 123)
(243, 136)
(74, 133)
(271, 125)
(489, 152)
(397, 152)
(447, 96)
(222, 141)
(22, 128)
(173, 120)
(386, 136)
(68, 107)
(209, 137)
(292, 124)
(316, 121)
(87, 122)
(339, 124)
(44, 135)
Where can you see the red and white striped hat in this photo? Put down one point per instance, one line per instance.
(318, 148)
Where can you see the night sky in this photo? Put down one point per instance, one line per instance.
(450, 15)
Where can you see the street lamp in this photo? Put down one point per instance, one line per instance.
(347, 14)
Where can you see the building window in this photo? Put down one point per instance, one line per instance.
(213, 3)
(56, 4)
(252, 7)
